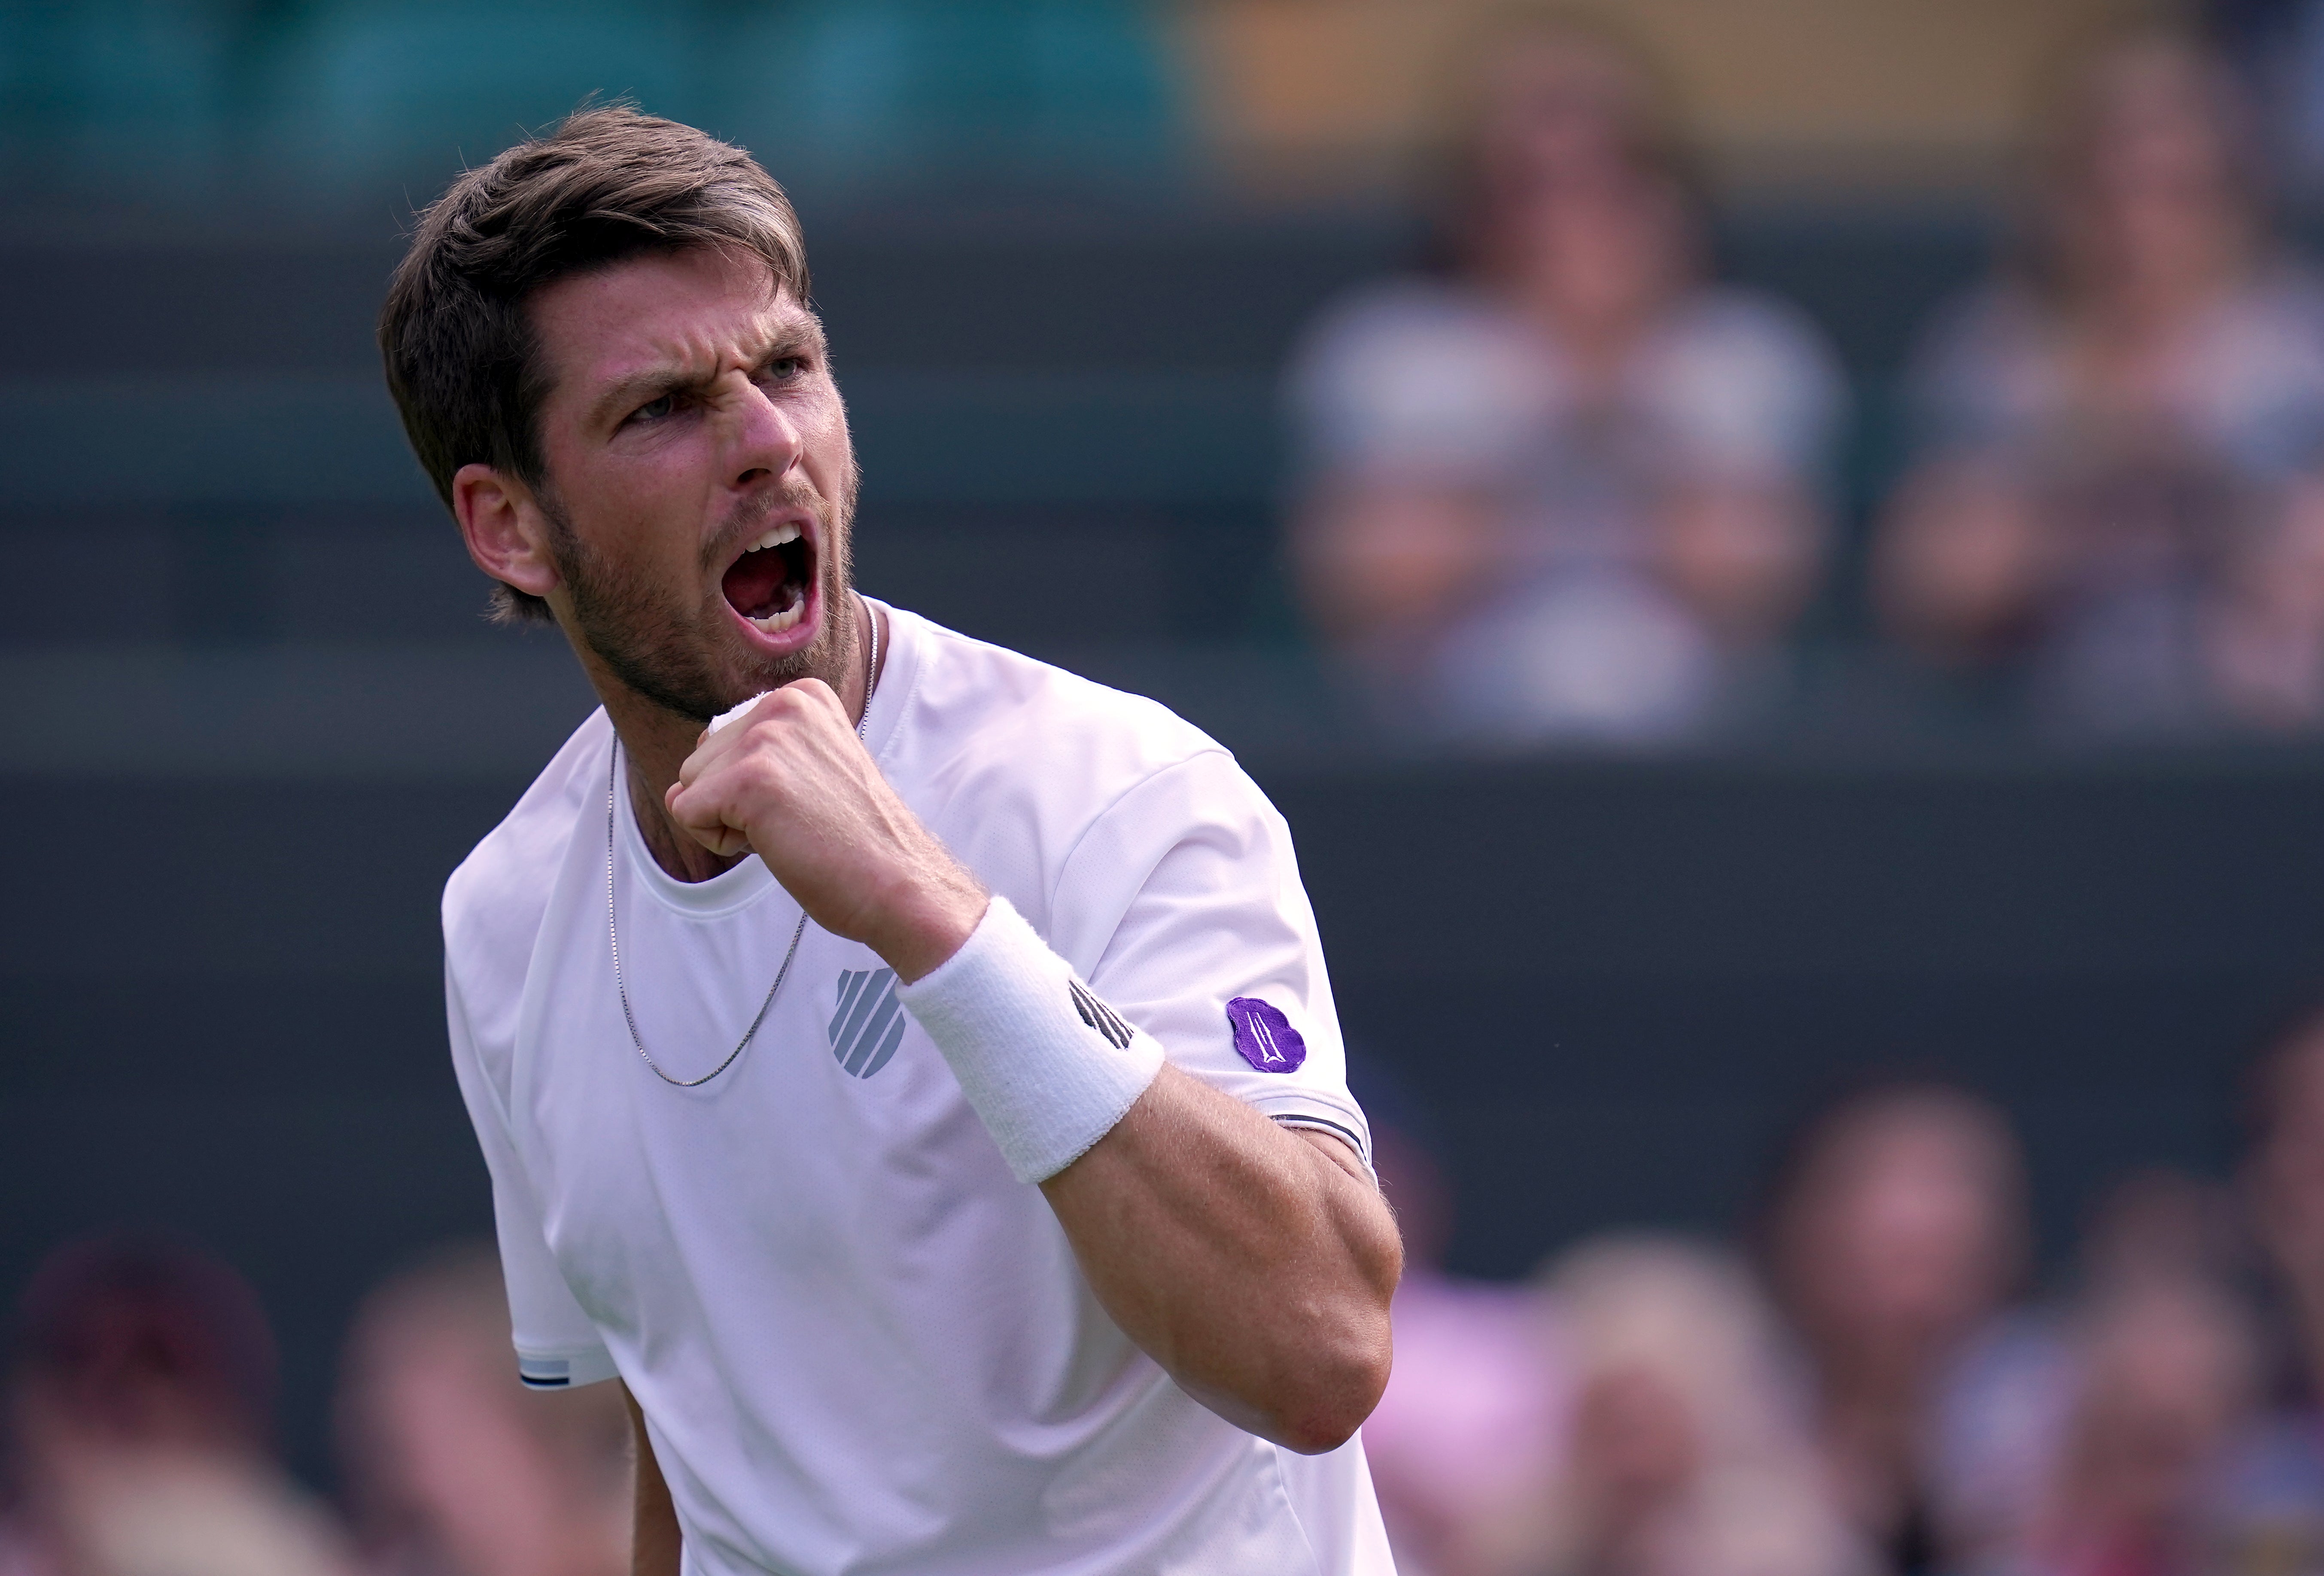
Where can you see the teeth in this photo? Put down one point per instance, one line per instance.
(775, 538)
(774, 624)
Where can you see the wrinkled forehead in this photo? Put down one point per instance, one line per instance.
(685, 313)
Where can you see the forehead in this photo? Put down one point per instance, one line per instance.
(690, 310)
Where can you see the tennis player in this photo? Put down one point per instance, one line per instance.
(921, 1092)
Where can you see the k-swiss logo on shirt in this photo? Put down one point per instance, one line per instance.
(1100, 1017)
(869, 1023)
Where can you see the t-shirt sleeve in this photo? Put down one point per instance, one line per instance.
(556, 1346)
(1182, 906)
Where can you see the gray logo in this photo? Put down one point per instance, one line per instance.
(1100, 1017)
(869, 1023)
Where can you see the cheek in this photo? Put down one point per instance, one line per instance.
(646, 514)
(830, 449)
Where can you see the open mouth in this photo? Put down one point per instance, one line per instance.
(769, 583)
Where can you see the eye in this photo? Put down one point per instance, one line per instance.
(783, 369)
(655, 409)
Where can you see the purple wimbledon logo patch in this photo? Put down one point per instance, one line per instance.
(1264, 1037)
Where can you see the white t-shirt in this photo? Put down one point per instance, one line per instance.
(859, 1344)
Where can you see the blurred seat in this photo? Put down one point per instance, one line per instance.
(916, 91)
(133, 94)
(357, 87)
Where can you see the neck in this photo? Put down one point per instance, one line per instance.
(657, 740)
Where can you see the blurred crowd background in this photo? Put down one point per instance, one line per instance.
(1773, 556)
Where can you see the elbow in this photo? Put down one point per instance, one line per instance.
(1344, 1362)
(1336, 1389)
(1328, 1418)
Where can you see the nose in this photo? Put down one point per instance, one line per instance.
(765, 443)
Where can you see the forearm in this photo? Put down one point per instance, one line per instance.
(1241, 1256)
(654, 1544)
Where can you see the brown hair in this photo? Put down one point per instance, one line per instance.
(606, 184)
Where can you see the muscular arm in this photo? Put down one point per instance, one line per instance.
(654, 1544)
(1253, 1262)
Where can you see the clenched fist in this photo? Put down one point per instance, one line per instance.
(791, 781)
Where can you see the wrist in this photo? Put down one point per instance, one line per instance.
(928, 922)
(1047, 1066)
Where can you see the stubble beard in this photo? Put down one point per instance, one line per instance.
(680, 656)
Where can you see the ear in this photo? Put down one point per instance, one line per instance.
(503, 529)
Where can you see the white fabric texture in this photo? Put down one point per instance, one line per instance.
(860, 1343)
(1033, 1049)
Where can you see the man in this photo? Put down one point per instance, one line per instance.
(923, 1091)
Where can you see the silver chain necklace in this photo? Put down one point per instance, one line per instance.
(614, 934)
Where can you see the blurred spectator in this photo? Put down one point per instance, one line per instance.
(2118, 506)
(1563, 487)
(1468, 1428)
(1894, 1231)
(2273, 1501)
(2016, 1397)
(2163, 1370)
(454, 1468)
(140, 1396)
(2090, 1440)
(2115, 1457)
(1684, 1455)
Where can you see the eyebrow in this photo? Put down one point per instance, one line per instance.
(792, 336)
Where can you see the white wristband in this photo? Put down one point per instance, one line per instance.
(1049, 1066)
(734, 713)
